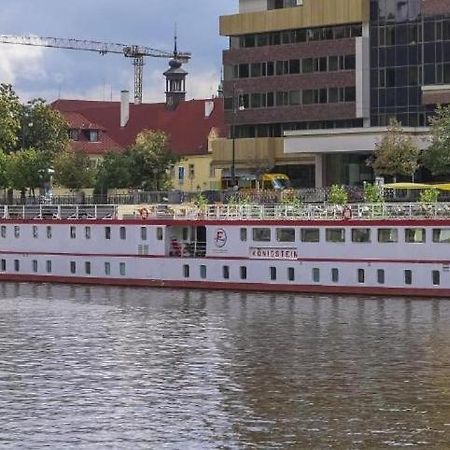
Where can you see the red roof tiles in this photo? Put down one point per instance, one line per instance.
(187, 126)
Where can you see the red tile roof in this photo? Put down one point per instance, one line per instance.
(187, 127)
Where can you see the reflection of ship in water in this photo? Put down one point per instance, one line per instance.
(307, 371)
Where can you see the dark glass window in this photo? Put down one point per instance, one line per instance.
(243, 272)
(436, 277)
(335, 275)
(380, 276)
(408, 276)
(273, 273)
(291, 274)
(226, 272)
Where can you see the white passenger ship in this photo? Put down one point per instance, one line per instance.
(382, 249)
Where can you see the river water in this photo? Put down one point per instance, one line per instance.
(95, 367)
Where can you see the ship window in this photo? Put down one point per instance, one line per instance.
(361, 235)
(3, 265)
(310, 234)
(35, 231)
(415, 235)
(441, 235)
(185, 234)
(73, 232)
(3, 231)
(361, 276)
(335, 235)
(107, 268)
(226, 272)
(49, 232)
(186, 270)
(291, 274)
(285, 234)
(380, 276)
(16, 231)
(87, 267)
(35, 265)
(123, 233)
(316, 274)
(73, 267)
(436, 276)
(87, 232)
(273, 273)
(16, 265)
(143, 233)
(261, 234)
(202, 271)
(107, 232)
(159, 234)
(122, 269)
(387, 235)
(49, 266)
(335, 275)
(243, 234)
(243, 271)
(408, 276)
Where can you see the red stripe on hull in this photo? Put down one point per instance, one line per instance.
(261, 287)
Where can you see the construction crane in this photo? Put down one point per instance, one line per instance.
(137, 52)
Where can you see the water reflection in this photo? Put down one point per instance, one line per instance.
(143, 368)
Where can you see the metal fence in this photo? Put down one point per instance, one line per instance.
(260, 197)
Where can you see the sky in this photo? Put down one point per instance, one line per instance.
(56, 73)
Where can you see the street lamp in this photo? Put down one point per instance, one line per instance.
(236, 106)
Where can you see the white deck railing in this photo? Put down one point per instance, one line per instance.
(232, 211)
(305, 212)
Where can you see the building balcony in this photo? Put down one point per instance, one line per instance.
(313, 13)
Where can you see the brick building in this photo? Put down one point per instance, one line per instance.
(310, 85)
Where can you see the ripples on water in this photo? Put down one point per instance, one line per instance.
(84, 367)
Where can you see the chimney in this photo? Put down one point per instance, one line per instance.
(209, 108)
(124, 108)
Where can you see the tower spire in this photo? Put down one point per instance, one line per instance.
(175, 78)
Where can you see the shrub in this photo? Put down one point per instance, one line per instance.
(338, 195)
(372, 193)
(429, 196)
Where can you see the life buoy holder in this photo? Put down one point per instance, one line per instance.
(347, 213)
(144, 212)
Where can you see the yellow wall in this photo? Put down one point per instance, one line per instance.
(313, 13)
(198, 175)
(252, 153)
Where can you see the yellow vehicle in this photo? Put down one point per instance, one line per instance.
(266, 181)
(277, 181)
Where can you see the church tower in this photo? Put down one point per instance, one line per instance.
(175, 81)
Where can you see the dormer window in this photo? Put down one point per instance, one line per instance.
(93, 135)
(74, 134)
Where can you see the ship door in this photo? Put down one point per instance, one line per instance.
(200, 238)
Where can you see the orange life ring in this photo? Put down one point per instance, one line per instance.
(144, 213)
(347, 213)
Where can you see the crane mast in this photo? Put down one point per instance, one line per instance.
(136, 52)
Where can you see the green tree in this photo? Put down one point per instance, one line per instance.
(150, 160)
(27, 168)
(4, 166)
(113, 172)
(43, 128)
(396, 153)
(437, 157)
(10, 118)
(73, 170)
